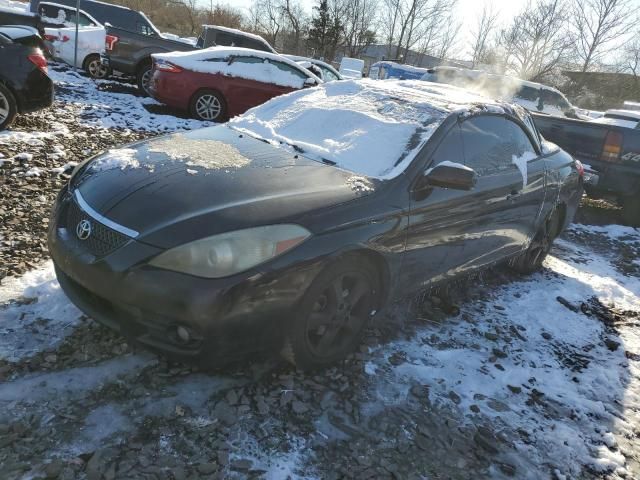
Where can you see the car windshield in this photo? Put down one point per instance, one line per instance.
(374, 128)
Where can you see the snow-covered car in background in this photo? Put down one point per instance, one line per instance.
(620, 118)
(319, 68)
(351, 67)
(217, 83)
(90, 46)
(61, 37)
(533, 96)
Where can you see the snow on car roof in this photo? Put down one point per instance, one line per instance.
(204, 61)
(371, 127)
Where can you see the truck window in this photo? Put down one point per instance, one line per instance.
(328, 75)
(226, 39)
(491, 142)
(252, 43)
(144, 29)
(554, 99)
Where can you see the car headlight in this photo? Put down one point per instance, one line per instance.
(233, 252)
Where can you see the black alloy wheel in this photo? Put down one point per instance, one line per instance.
(334, 312)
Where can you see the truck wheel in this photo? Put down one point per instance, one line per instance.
(8, 107)
(143, 77)
(93, 66)
(209, 106)
(531, 260)
(631, 210)
(332, 315)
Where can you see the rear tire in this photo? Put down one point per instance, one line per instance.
(531, 260)
(143, 77)
(93, 66)
(8, 107)
(208, 105)
(332, 314)
(631, 210)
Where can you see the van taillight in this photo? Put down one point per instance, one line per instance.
(612, 147)
(110, 41)
(39, 61)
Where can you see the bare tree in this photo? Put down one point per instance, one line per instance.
(485, 27)
(358, 25)
(597, 24)
(267, 17)
(535, 42)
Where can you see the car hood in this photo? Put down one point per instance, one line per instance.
(180, 187)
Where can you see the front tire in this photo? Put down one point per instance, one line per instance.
(8, 107)
(209, 106)
(93, 66)
(143, 77)
(333, 314)
(531, 260)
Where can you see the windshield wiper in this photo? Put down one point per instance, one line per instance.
(328, 162)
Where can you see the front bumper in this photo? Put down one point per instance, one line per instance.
(228, 318)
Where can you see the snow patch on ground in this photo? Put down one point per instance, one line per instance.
(566, 378)
(39, 317)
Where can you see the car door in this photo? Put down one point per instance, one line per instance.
(510, 188)
(439, 221)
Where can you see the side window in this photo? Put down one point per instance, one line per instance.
(144, 29)
(51, 11)
(225, 39)
(492, 143)
(288, 68)
(248, 60)
(554, 99)
(254, 44)
(328, 75)
(450, 148)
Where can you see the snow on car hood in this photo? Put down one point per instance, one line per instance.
(219, 60)
(370, 127)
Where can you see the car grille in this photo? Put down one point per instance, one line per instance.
(102, 241)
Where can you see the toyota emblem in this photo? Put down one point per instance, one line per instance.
(83, 230)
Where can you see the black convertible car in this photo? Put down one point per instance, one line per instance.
(291, 226)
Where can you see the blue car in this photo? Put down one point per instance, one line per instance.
(386, 69)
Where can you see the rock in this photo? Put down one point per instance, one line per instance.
(207, 468)
(223, 457)
(612, 345)
(54, 468)
(546, 335)
(486, 440)
(508, 470)
(99, 463)
(455, 398)
(491, 336)
(474, 408)
(241, 465)
(299, 407)
(514, 389)
(497, 405)
(499, 353)
(567, 304)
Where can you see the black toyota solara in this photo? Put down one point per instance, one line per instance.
(295, 223)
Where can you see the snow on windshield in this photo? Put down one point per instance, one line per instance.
(371, 127)
(241, 63)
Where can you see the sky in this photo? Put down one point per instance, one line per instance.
(468, 11)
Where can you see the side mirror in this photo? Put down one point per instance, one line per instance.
(451, 175)
(310, 82)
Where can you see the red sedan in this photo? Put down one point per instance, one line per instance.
(221, 82)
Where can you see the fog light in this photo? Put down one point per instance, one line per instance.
(183, 334)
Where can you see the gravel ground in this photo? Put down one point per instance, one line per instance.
(504, 377)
